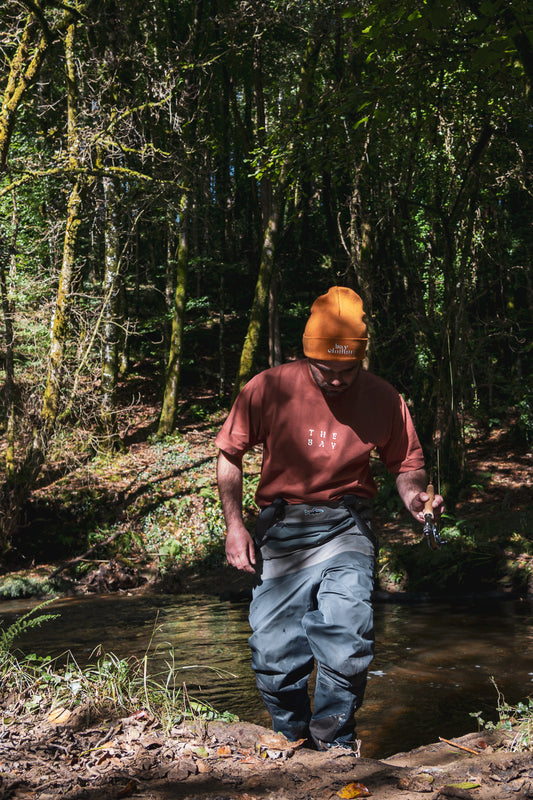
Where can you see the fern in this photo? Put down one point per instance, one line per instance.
(23, 624)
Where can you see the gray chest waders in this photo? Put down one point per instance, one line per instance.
(312, 605)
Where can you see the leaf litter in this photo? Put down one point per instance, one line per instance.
(66, 755)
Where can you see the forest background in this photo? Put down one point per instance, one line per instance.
(180, 180)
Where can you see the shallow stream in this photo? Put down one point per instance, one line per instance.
(433, 666)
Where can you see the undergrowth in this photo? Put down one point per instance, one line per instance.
(475, 557)
(31, 684)
(517, 720)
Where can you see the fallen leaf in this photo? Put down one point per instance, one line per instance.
(465, 785)
(59, 716)
(109, 760)
(202, 752)
(276, 745)
(277, 741)
(354, 790)
(182, 768)
(251, 759)
(140, 715)
(151, 742)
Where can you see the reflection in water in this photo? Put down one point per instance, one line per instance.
(433, 663)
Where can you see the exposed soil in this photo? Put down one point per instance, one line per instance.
(64, 757)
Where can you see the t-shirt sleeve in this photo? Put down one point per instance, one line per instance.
(402, 451)
(242, 429)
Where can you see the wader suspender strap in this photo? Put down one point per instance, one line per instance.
(268, 517)
(349, 501)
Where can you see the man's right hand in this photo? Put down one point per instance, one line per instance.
(240, 549)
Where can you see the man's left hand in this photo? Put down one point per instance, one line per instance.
(411, 487)
(419, 501)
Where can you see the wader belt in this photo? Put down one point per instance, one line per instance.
(293, 537)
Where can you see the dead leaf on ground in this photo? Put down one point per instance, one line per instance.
(251, 760)
(277, 741)
(151, 742)
(142, 714)
(181, 770)
(352, 790)
(276, 745)
(104, 757)
(59, 716)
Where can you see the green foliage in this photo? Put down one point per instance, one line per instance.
(516, 720)
(166, 694)
(123, 685)
(387, 500)
(523, 425)
(418, 198)
(474, 559)
(188, 530)
(519, 560)
(13, 586)
(185, 532)
(23, 624)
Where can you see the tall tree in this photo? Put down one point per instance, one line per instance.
(67, 275)
(111, 339)
(171, 395)
(282, 171)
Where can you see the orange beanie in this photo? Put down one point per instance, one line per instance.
(336, 330)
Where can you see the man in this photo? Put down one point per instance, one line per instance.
(318, 420)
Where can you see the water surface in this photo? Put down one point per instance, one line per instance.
(433, 666)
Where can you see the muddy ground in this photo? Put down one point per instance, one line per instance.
(68, 756)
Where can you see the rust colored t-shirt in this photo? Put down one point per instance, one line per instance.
(316, 448)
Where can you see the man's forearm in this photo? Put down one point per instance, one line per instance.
(240, 550)
(229, 478)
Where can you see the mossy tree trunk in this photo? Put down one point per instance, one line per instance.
(172, 378)
(25, 65)
(7, 492)
(31, 50)
(260, 305)
(111, 320)
(261, 296)
(8, 314)
(61, 314)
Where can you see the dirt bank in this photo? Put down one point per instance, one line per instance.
(66, 756)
